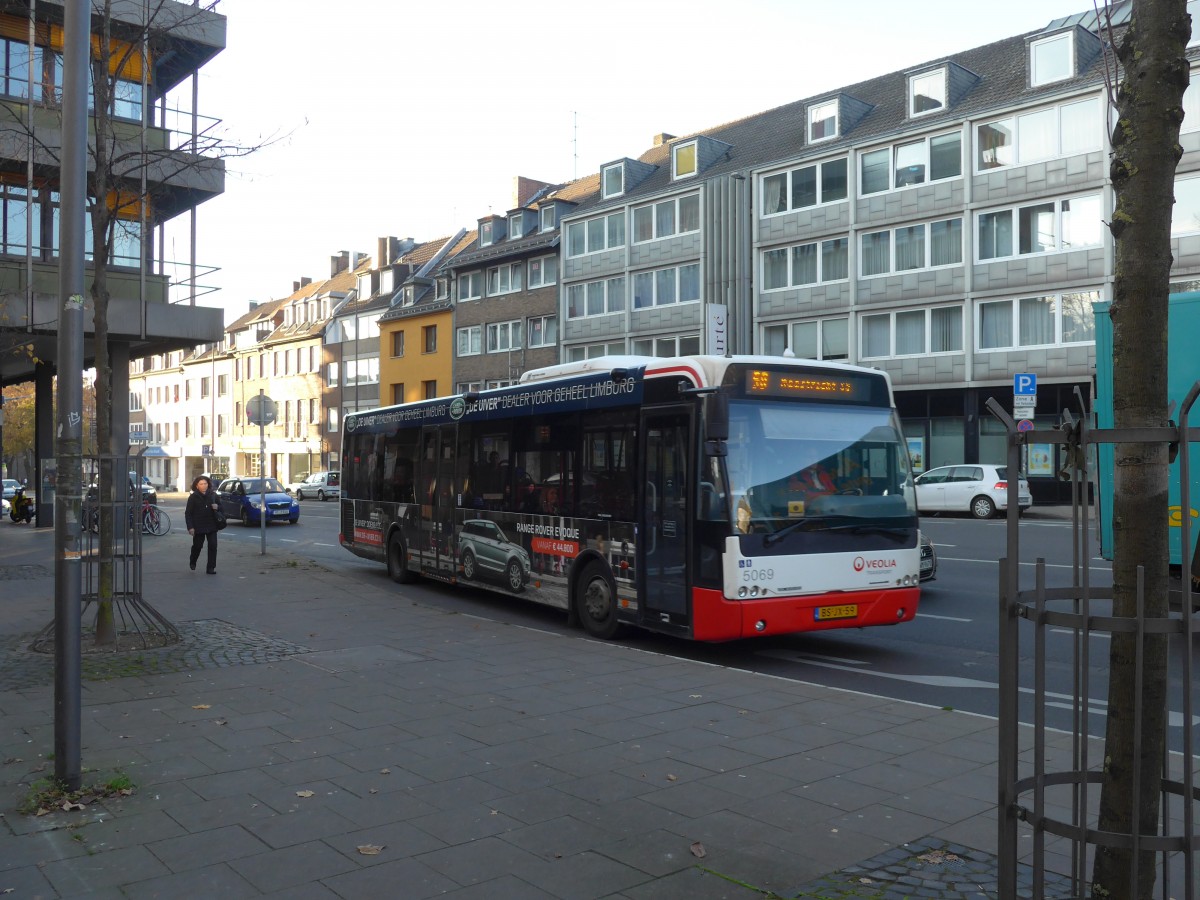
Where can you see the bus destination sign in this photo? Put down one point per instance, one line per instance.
(807, 385)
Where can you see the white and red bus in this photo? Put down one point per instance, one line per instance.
(711, 498)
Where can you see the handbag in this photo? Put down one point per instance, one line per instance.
(219, 518)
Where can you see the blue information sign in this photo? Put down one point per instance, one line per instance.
(1025, 384)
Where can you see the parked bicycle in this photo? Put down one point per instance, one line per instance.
(154, 519)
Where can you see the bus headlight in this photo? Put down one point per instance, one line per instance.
(754, 590)
(742, 592)
(760, 625)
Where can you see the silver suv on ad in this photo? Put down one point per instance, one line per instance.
(484, 550)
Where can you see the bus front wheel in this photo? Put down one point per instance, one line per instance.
(397, 561)
(596, 602)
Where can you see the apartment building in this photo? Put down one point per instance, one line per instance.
(150, 131)
(945, 223)
(505, 287)
(416, 359)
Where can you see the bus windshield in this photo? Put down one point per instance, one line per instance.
(821, 465)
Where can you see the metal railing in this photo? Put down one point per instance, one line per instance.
(1044, 789)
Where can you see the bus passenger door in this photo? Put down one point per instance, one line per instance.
(665, 517)
(436, 500)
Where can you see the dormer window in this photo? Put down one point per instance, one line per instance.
(823, 121)
(683, 160)
(612, 179)
(443, 288)
(927, 93)
(516, 227)
(364, 286)
(486, 233)
(548, 222)
(1051, 59)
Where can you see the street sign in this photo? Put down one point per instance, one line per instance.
(139, 435)
(1025, 384)
(261, 410)
(1024, 425)
(206, 449)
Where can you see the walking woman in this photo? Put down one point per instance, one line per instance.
(201, 522)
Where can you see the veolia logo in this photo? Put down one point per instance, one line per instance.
(458, 407)
(860, 564)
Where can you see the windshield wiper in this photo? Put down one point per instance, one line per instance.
(897, 531)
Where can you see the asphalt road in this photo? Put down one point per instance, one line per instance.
(946, 657)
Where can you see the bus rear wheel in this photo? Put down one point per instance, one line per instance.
(596, 602)
(397, 561)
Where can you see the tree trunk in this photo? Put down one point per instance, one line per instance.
(111, 481)
(1145, 152)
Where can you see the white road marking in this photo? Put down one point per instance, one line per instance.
(319, 544)
(1057, 700)
(996, 561)
(922, 615)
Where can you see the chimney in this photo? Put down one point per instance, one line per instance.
(662, 138)
(355, 259)
(339, 263)
(524, 188)
(304, 281)
(383, 251)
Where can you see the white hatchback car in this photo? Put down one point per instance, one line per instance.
(980, 489)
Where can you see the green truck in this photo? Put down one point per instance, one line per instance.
(1183, 370)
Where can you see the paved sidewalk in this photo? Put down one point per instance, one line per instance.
(309, 717)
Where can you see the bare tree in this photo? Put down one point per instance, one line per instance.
(1145, 151)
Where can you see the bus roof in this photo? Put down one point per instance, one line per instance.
(709, 370)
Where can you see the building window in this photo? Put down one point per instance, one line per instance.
(487, 231)
(442, 289)
(397, 343)
(429, 389)
(913, 162)
(543, 331)
(803, 264)
(591, 351)
(205, 387)
(925, 246)
(467, 387)
(331, 375)
(612, 180)
(547, 216)
(686, 345)
(135, 402)
(362, 371)
(222, 385)
(469, 340)
(822, 339)
(221, 427)
(204, 425)
(1051, 59)
(504, 279)
(912, 332)
(502, 336)
(516, 229)
(594, 235)
(543, 271)
(470, 285)
(313, 411)
(666, 286)
(429, 338)
(332, 424)
(683, 160)
(1047, 227)
(1048, 133)
(397, 394)
(1185, 214)
(1036, 321)
(804, 187)
(927, 93)
(823, 121)
(669, 217)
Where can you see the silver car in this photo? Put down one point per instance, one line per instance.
(485, 550)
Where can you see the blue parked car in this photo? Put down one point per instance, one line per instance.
(240, 497)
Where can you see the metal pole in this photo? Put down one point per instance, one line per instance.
(68, 497)
(262, 476)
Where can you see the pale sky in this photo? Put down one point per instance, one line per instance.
(411, 119)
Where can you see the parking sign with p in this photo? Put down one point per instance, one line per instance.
(1025, 384)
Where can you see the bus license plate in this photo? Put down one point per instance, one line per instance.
(837, 612)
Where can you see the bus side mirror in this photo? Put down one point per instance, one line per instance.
(716, 418)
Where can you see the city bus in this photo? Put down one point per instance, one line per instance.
(711, 498)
